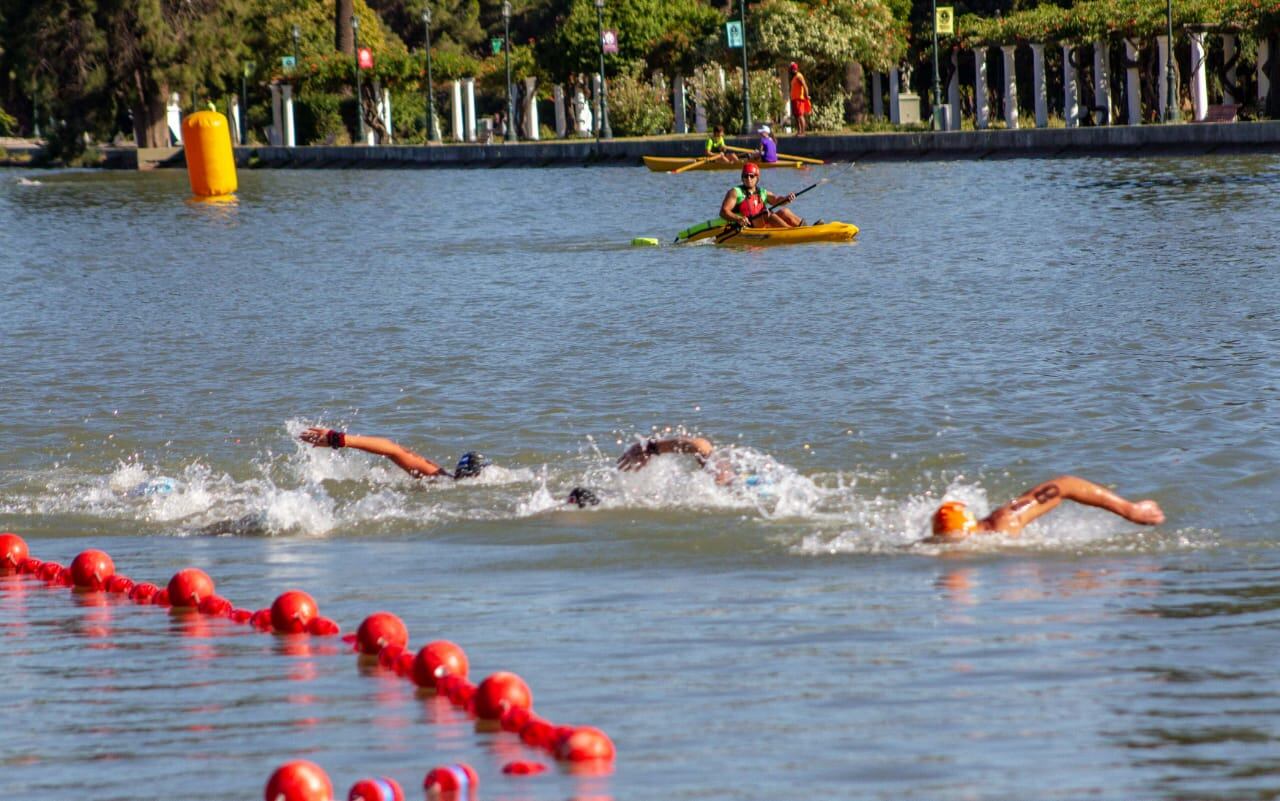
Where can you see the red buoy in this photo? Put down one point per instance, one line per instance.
(404, 664)
(29, 566)
(189, 587)
(521, 767)
(389, 654)
(292, 611)
(461, 692)
(13, 549)
(299, 781)
(455, 779)
(538, 733)
(261, 620)
(122, 585)
(378, 630)
(216, 606)
(240, 615)
(48, 571)
(585, 744)
(322, 626)
(515, 719)
(383, 788)
(436, 660)
(92, 569)
(143, 593)
(500, 692)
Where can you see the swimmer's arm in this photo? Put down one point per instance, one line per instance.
(638, 455)
(1018, 513)
(413, 464)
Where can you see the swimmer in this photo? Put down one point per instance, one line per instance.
(639, 454)
(953, 521)
(470, 464)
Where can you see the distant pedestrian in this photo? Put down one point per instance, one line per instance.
(801, 105)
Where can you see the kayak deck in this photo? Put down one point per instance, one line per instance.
(667, 164)
(754, 237)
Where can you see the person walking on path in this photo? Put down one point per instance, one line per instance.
(953, 521)
(801, 105)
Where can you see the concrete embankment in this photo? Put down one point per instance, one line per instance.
(1141, 140)
(1138, 140)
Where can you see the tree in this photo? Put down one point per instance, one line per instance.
(672, 34)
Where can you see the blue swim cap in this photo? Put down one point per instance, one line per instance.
(470, 464)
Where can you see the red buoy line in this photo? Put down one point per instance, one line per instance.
(502, 700)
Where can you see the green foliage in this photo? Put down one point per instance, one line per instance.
(828, 115)
(826, 34)
(638, 107)
(667, 34)
(319, 119)
(725, 107)
(8, 125)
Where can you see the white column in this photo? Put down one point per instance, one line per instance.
(877, 98)
(1199, 81)
(277, 117)
(173, 117)
(458, 135)
(531, 123)
(1162, 80)
(677, 105)
(286, 100)
(1102, 81)
(1010, 87)
(980, 111)
(557, 96)
(1132, 85)
(596, 122)
(1037, 82)
(1070, 105)
(722, 83)
(953, 92)
(1264, 83)
(893, 95)
(386, 115)
(235, 121)
(1229, 50)
(699, 114)
(469, 110)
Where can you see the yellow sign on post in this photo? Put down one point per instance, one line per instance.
(945, 21)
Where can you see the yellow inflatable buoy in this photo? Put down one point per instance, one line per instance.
(644, 242)
(211, 165)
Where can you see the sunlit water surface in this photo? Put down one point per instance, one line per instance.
(995, 324)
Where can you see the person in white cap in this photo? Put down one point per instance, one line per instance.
(768, 150)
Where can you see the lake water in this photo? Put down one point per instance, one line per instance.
(995, 324)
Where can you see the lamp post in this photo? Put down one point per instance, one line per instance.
(746, 79)
(355, 36)
(244, 101)
(937, 78)
(431, 95)
(512, 135)
(605, 131)
(1171, 97)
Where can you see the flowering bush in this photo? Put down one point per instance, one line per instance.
(638, 107)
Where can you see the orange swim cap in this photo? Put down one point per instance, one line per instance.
(953, 517)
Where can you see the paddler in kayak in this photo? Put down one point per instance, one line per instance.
(953, 521)
(768, 150)
(717, 150)
(747, 204)
(470, 464)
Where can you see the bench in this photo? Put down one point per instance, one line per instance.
(1225, 112)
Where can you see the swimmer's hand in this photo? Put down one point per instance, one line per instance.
(637, 456)
(319, 437)
(1147, 512)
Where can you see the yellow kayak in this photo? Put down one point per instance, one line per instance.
(826, 232)
(667, 164)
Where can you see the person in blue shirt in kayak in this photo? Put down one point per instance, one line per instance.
(470, 465)
(747, 204)
(768, 150)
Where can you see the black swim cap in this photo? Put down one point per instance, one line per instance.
(583, 497)
(470, 464)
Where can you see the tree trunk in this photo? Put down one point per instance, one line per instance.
(343, 36)
(150, 119)
(855, 90)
